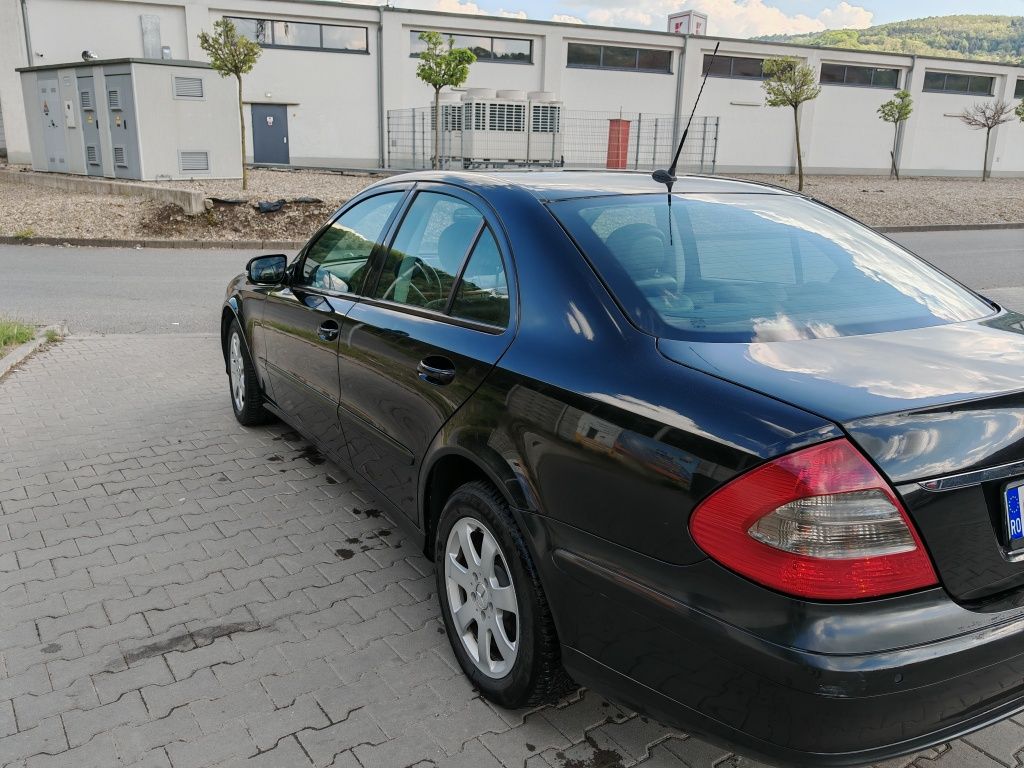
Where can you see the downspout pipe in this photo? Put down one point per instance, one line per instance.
(680, 79)
(28, 35)
(380, 87)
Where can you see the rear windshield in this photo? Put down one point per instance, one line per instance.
(757, 267)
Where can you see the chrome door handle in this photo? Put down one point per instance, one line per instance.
(436, 370)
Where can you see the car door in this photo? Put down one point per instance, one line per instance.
(302, 319)
(437, 318)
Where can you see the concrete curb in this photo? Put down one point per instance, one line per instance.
(191, 203)
(248, 245)
(22, 352)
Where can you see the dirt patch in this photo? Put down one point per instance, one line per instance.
(295, 221)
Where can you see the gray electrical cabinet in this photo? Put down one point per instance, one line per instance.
(133, 119)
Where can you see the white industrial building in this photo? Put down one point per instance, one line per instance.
(336, 84)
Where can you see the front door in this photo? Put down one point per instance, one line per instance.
(423, 338)
(302, 320)
(270, 133)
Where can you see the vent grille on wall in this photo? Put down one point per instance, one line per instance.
(546, 118)
(195, 162)
(188, 87)
(86, 99)
(120, 158)
(92, 155)
(114, 98)
(506, 117)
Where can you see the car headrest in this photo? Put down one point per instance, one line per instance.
(640, 248)
(454, 242)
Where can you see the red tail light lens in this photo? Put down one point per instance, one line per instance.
(819, 523)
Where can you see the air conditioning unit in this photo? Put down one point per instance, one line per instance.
(510, 128)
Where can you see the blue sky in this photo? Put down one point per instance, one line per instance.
(736, 18)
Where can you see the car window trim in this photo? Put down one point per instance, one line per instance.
(300, 259)
(433, 314)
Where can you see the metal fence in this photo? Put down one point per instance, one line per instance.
(539, 135)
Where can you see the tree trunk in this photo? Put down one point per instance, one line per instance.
(984, 166)
(241, 125)
(799, 157)
(437, 129)
(895, 140)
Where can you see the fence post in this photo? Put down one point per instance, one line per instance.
(639, 133)
(423, 127)
(703, 143)
(654, 149)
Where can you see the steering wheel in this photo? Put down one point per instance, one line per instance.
(429, 274)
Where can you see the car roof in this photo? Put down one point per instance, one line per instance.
(568, 184)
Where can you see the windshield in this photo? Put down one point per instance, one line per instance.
(757, 267)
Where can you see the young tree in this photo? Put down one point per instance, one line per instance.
(897, 110)
(1019, 111)
(442, 64)
(788, 83)
(986, 115)
(232, 55)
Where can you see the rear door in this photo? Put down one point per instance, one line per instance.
(438, 316)
(302, 320)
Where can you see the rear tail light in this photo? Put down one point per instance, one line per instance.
(819, 523)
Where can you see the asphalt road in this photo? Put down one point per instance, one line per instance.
(111, 290)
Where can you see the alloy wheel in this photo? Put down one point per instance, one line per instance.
(237, 365)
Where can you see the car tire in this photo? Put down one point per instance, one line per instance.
(474, 596)
(243, 384)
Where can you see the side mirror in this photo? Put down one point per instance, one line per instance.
(267, 270)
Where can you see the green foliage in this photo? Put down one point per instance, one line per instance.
(788, 83)
(230, 54)
(25, 234)
(442, 63)
(998, 38)
(1019, 111)
(13, 332)
(897, 109)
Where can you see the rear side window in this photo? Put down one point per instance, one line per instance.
(482, 293)
(757, 267)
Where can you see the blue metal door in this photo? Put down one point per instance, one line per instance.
(270, 133)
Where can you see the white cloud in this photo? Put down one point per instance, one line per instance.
(567, 18)
(458, 6)
(512, 14)
(730, 18)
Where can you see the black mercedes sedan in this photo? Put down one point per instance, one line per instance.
(723, 454)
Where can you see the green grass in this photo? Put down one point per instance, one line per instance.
(13, 333)
(52, 335)
(25, 234)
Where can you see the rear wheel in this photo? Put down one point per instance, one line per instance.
(492, 602)
(246, 398)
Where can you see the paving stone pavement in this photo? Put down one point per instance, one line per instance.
(176, 590)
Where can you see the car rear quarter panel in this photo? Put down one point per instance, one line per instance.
(592, 425)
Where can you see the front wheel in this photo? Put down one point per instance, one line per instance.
(492, 602)
(246, 398)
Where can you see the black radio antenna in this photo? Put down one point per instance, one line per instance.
(668, 177)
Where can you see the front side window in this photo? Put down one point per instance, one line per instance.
(757, 267)
(424, 261)
(337, 260)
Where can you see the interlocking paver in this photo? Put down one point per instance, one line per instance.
(173, 597)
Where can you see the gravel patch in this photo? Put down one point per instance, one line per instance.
(917, 201)
(36, 212)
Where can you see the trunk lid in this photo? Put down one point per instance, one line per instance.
(939, 410)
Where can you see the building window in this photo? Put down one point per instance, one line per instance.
(865, 77)
(304, 35)
(955, 82)
(589, 56)
(501, 49)
(1018, 92)
(741, 67)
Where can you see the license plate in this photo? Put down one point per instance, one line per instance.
(1014, 523)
